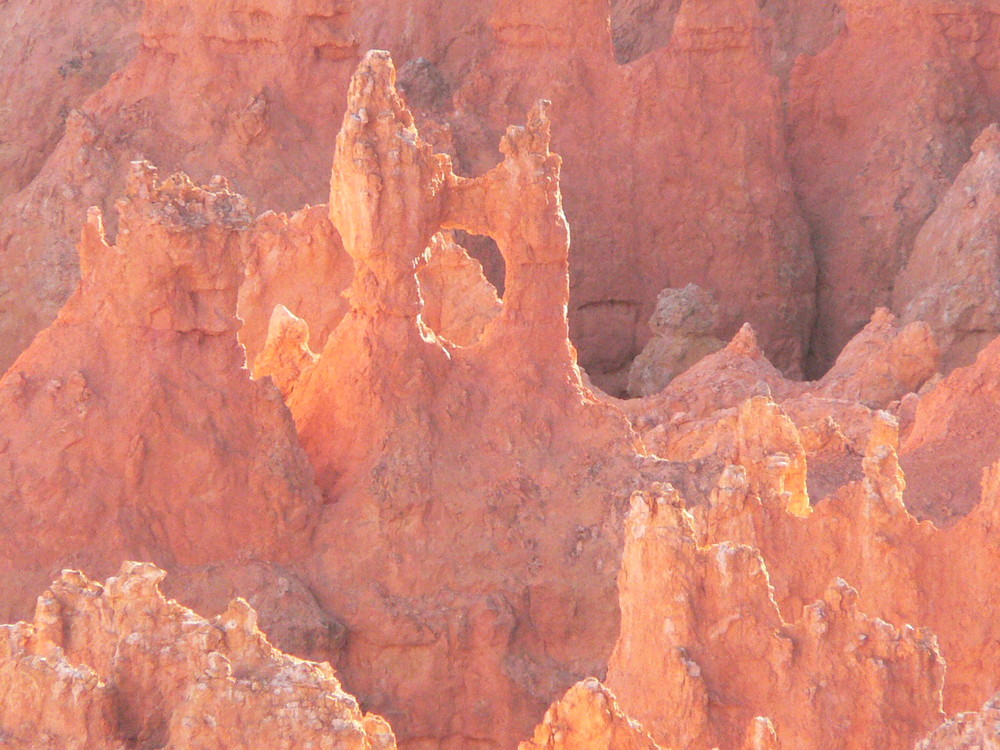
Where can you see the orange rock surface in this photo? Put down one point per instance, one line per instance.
(130, 427)
(363, 409)
(704, 649)
(118, 665)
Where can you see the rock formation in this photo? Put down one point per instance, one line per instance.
(55, 55)
(588, 717)
(284, 81)
(880, 124)
(118, 665)
(362, 410)
(966, 731)
(130, 427)
(682, 326)
(953, 439)
(952, 279)
(241, 71)
(704, 650)
(470, 576)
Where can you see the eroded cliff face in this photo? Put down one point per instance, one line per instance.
(951, 279)
(470, 578)
(881, 120)
(117, 665)
(329, 410)
(704, 649)
(130, 427)
(213, 88)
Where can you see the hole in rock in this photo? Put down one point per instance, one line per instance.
(460, 296)
(485, 250)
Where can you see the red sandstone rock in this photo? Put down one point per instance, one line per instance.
(130, 427)
(683, 326)
(478, 489)
(227, 86)
(458, 300)
(954, 437)
(588, 718)
(952, 280)
(462, 567)
(119, 666)
(297, 262)
(704, 649)
(688, 111)
(881, 121)
(904, 570)
(54, 55)
(967, 731)
(281, 86)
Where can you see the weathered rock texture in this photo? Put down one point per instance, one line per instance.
(479, 489)
(952, 280)
(588, 717)
(258, 83)
(119, 666)
(683, 325)
(427, 492)
(954, 438)
(967, 731)
(54, 55)
(130, 427)
(881, 122)
(703, 650)
(214, 87)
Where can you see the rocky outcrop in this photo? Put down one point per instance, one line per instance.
(118, 665)
(683, 325)
(952, 279)
(299, 263)
(588, 717)
(880, 124)
(55, 55)
(726, 655)
(130, 427)
(905, 571)
(470, 579)
(835, 418)
(682, 102)
(281, 85)
(230, 87)
(458, 300)
(966, 731)
(953, 439)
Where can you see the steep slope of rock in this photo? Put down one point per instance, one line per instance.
(699, 414)
(703, 650)
(475, 494)
(954, 437)
(54, 55)
(130, 427)
(952, 279)
(298, 262)
(241, 89)
(905, 571)
(677, 128)
(119, 666)
(232, 87)
(880, 123)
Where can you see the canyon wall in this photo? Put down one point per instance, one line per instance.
(385, 407)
